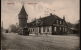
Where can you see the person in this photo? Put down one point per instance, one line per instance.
(25, 31)
(6, 31)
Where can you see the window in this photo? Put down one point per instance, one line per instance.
(57, 21)
(33, 29)
(30, 30)
(43, 29)
(48, 29)
(60, 28)
(65, 29)
(55, 29)
(60, 22)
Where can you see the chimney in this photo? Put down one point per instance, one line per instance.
(64, 17)
(50, 14)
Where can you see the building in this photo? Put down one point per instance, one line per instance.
(51, 24)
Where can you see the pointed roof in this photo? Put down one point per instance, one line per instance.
(23, 12)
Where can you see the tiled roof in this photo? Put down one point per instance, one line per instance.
(45, 21)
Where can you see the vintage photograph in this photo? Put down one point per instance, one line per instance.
(40, 24)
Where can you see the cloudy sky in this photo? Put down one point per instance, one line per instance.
(36, 8)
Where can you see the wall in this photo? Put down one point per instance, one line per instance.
(35, 30)
(46, 30)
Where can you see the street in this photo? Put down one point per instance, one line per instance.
(14, 41)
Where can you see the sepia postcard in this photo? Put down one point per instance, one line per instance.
(40, 25)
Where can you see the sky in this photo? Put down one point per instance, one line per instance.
(39, 8)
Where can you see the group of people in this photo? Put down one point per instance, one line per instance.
(24, 31)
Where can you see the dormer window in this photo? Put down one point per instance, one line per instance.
(63, 22)
(60, 22)
(50, 14)
(57, 21)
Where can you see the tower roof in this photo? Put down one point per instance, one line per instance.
(23, 12)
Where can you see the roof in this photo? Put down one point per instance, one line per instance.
(45, 21)
(23, 12)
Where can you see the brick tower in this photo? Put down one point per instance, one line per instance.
(23, 17)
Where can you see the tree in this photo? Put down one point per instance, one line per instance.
(2, 36)
(77, 26)
(13, 28)
(70, 25)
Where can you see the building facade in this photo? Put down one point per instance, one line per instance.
(51, 24)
